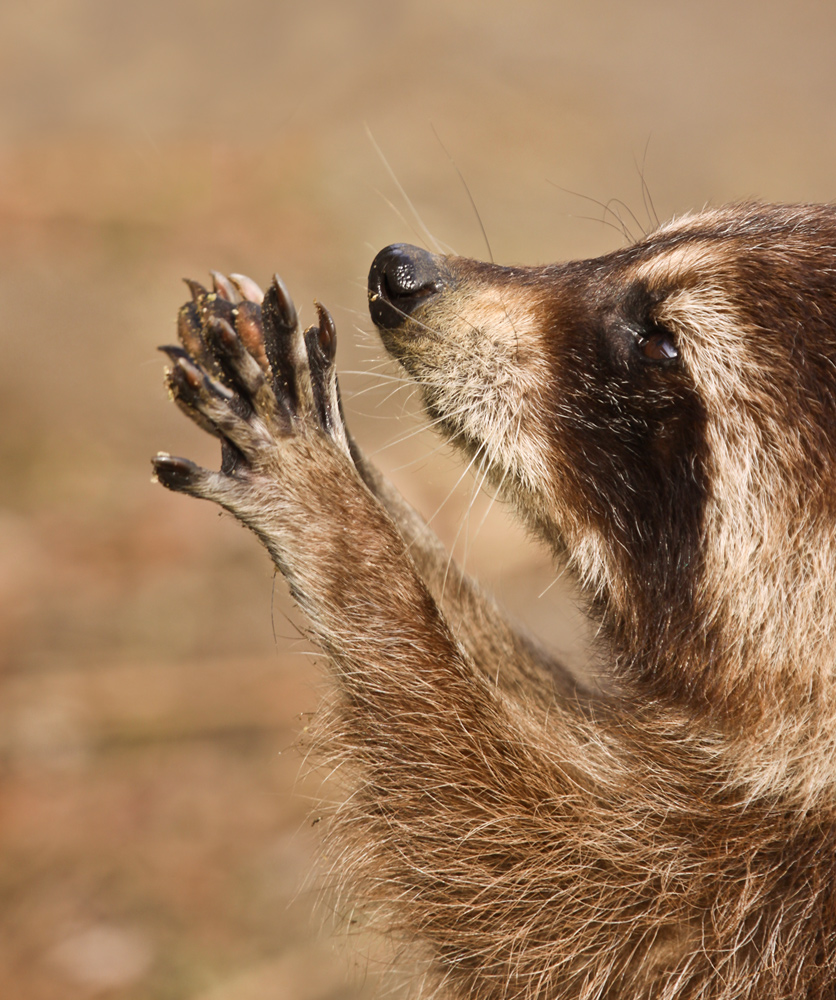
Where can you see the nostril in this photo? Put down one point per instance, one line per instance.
(401, 277)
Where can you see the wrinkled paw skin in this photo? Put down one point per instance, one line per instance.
(245, 372)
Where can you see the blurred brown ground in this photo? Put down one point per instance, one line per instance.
(155, 836)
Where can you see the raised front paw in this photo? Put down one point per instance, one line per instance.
(248, 374)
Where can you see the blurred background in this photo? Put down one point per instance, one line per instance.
(157, 826)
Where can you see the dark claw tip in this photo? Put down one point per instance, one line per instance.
(327, 332)
(283, 302)
(197, 290)
(173, 351)
(174, 473)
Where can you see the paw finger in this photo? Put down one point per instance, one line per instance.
(176, 354)
(190, 335)
(194, 319)
(208, 402)
(321, 346)
(244, 371)
(180, 475)
(177, 474)
(284, 344)
(238, 365)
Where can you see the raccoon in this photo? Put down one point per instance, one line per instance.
(664, 419)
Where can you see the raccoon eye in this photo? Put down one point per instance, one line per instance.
(657, 346)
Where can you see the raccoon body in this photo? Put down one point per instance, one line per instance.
(664, 418)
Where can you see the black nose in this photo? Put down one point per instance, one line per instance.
(401, 277)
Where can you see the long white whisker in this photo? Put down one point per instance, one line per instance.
(557, 578)
(465, 521)
(357, 393)
(501, 483)
(380, 376)
(498, 439)
(395, 391)
(442, 444)
(433, 423)
(455, 485)
(468, 192)
(416, 232)
(431, 239)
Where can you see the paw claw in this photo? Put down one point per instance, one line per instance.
(247, 288)
(250, 329)
(197, 290)
(178, 474)
(224, 287)
(241, 369)
(327, 332)
(285, 310)
(283, 344)
(173, 351)
(188, 371)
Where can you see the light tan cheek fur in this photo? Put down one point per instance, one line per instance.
(485, 371)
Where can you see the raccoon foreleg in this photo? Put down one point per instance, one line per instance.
(465, 800)
(288, 475)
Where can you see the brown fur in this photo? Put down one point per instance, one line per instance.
(671, 834)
